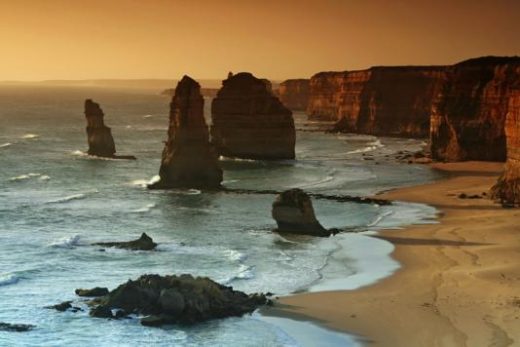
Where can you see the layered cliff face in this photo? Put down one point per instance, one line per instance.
(507, 189)
(250, 122)
(391, 101)
(294, 94)
(188, 159)
(468, 116)
(99, 136)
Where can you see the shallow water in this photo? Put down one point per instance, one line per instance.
(55, 201)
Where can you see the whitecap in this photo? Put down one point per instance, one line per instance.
(79, 153)
(67, 198)
(7, 279)
(44, 178)
(66, 242)
(144, 183)
(245, 272)
(379, 218)
(7, 144)
(144, 209)
(30, 136)
(24, 176)
(148, 116)
(223, 158)
(234, 255)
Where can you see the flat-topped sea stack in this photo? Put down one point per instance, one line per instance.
(468, 116)
(386, 101)
(293, 212)
(99, 136)
(188, 159)
(507, 189)
(294, 94)
(250, 122)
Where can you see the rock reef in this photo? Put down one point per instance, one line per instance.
(387, 101)
(293, 212)
(294, 94)
(188, 159)
(468, 115)
(143, 243)
(175, 300)
(250, 122)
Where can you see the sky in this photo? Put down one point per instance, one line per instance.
(277, 39)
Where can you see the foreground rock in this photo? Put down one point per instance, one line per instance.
(294, 94)
(293, 212)
(99, 136)
(468, 115)
(507, 189)
(94, 292)
(15, 327)
(250, 122)
(176, 300)
(385, 101)
(144, 243)
(188, 159)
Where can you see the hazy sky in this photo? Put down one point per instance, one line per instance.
(278, 39)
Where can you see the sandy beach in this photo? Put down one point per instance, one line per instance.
(459, 282)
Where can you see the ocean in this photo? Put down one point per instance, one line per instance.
(55, 201)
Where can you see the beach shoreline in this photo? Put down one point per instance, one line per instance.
(459, 281)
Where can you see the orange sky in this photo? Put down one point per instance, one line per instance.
(278, 39)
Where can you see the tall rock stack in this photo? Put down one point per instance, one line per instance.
(188, 159)
(468, 116)
(250, 122)
(507, 189)
(99, 136)
(294, 94)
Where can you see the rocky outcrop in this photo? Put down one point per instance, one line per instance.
(293, 212)
(144, 243)
(468, 116)
(99, 136)
(507, 189)
(15, 327)
(294, 94)
(188, 159)
(175, 300)
(250, 122)
(387, 101)
(205, 92)
(93, 292)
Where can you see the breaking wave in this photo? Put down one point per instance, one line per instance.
(7, 279)
(30, 136)
(372, 146)
(7, 144)
(66, 242)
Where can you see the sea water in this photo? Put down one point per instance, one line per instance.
(55, 201)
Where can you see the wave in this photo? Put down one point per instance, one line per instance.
(372, 146)
(30, 136)
(235, 255)
(144, 209)
(379, 218)
(71, 197)
(144, 183)
(7, 279)
(245, 272)
(44, 178)
(24, 177)
(223, 158)
(66, 242)
(148, 116)
(7, 144)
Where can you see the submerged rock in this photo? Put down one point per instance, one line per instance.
(99, 136)
(144, 243)
(294, 213)
(62, 307)
(188, 159)
(250, 122)
(97, 291)
(15, 327)
(176, 299)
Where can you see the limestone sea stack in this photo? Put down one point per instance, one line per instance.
(468, 115)
(250, 122)
(99, 136)
(294, 94)
(293, 212)
(507, 189)
(385, 101)
(188, 159)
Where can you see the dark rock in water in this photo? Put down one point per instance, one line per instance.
(98, 291)
(99, 136)
(64, 306)
(177, 299)
(15, 327)
(144, 243)
(101, 311)
(188, 159)
(294, 213)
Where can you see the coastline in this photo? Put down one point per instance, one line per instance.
(459, 281)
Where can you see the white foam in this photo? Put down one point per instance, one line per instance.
(71, 197)
(7, 144)
(144, 183)
(148, 116)
(44, 178)
(7, 279)
(30, 136)
(236, 159)
(24, 177)
(379, 218)
(66, 242)
(144, 209)
(372, 146)
(234, 255)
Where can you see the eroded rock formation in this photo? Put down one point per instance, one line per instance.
(294, 94)
(188, 159)
(388, 101)
(99, 136)
(507, 189)
(175, 299)
(250, 122)
(144, 243)
(293, 212)
(468, 116)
